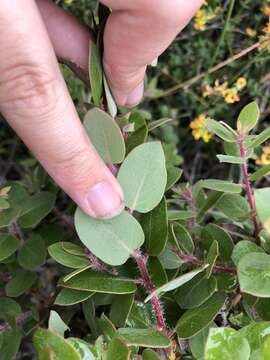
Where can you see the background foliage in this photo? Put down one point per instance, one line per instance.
(218, 64)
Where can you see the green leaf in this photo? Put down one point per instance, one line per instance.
(263, 171)
(212, 256)
(248, 117)
(212, 232)
(256, 333)
(100, 282)
(74, 258)
(32, 254)
(8, 245)
(120, 309)
(49, 345)
(106, 327)
(210, 202)
(139, 136)
(170, 260)
(194, 320)
(149, 338)
(86, 351)
(21, 282)
(9, 307)
(112, 107)
(175, 283)
(183, 238)
(56, 324)
(113, 240)
(141, 316)
(221, 185)
(230, 159)
(174, 215)
(262, 198)
(105, 135)
(143, 177)
(35, 209)
(261, 138)
(158, 123)
(95, 73)
(173, 175)
(254, 274)
(155, 227)
(226, 344)
(197, 343)
(4, 204)
(156, 271)
(149, 354)
(9, 344)
(67, 297)
(196, 291)
(221, 131)
(243, 248)
(117, 350)
(233, 206)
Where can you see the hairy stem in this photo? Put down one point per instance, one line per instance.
(157, 308)
(249, 192)
(194, 260)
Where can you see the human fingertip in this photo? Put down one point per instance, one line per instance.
(103, 200)
(135, 97)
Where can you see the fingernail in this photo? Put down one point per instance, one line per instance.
(104, 201)
(136, 95)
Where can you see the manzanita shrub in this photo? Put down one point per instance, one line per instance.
(182, 272)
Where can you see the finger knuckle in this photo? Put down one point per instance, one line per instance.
(26, 87)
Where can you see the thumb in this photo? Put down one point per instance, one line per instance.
(137, 32)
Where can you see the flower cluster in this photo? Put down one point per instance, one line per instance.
(265, 156)
(204, 16)
(230, 94)
(199, 129)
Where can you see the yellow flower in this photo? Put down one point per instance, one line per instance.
(241, 83)
(251, 32)
(68, 2)
(266, 10)
(265, 156)
(199, 129)
(204, 16)
(231, 96)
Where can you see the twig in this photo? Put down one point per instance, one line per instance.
(194, 260)
(157, 308)
(246, 177)
(188, 83)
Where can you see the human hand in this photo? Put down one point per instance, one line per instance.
(34, 98)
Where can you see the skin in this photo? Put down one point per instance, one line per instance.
(34, 98)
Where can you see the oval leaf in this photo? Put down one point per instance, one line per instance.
(105, 135)
(99, 282)
(175, 283)
(143, 177)
(254, 274)
(114, 240)
(194, 320)
(248, 117)
(155, 227)
(226, 344)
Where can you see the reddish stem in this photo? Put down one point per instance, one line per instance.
(157, 308)
(194, 260)
(249, 192)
